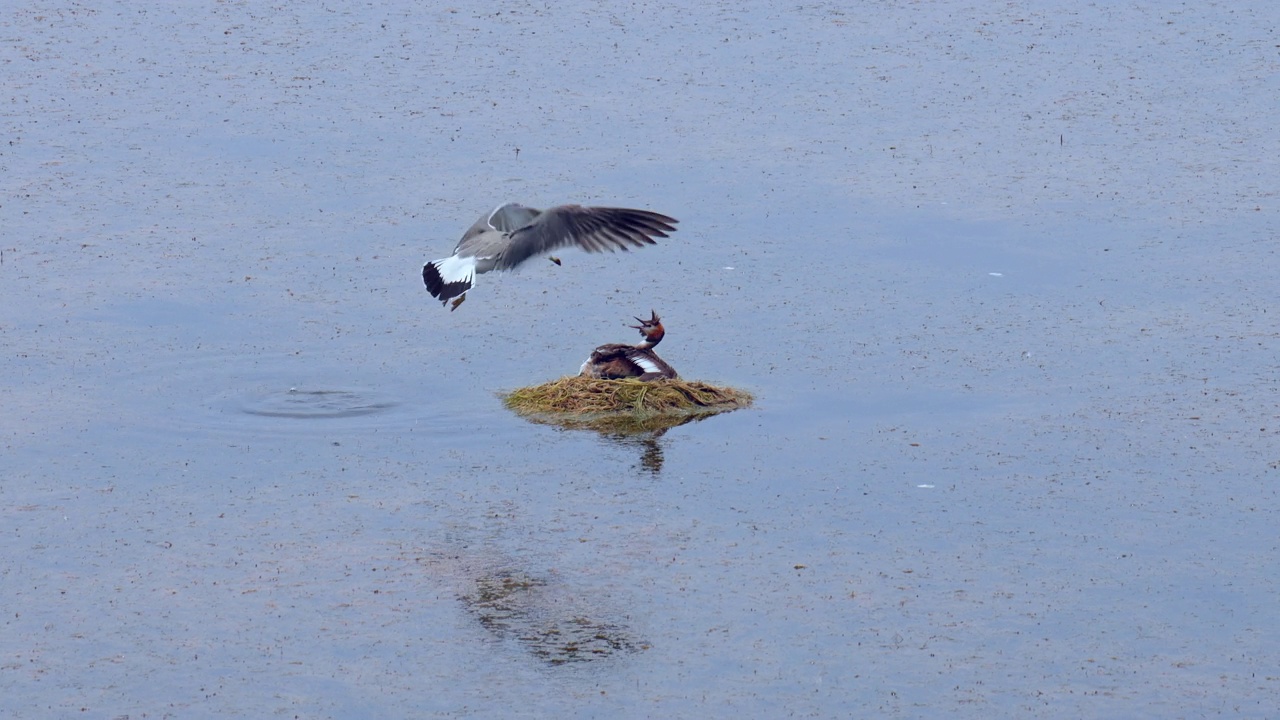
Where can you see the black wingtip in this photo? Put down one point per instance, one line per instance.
(439, 289)
(431, 278)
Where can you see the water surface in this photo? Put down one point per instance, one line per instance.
(1001, 279)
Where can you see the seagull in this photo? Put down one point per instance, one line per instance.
(513, 233)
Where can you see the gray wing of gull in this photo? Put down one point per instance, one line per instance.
(511, 217)
(593, 229)
(488, 235)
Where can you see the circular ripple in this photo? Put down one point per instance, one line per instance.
(304, 404)
(261, 394)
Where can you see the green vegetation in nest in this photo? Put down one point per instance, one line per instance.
(623, 405)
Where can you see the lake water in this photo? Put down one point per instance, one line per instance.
(1002, 280)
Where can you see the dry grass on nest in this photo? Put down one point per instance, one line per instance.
(580, 397)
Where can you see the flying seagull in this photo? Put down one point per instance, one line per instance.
(513, 233)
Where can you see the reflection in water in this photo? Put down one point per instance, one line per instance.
(651, 458)
(648, 445)
(550, 625)
(626, 431)
(618, 425)
(512, 604)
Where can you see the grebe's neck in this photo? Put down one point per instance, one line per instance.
(652, 337)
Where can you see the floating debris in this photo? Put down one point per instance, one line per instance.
(623, 406)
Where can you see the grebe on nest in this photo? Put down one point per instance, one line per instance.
(513, 233)
(618, 360)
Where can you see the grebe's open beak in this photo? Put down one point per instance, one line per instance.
(653, 320)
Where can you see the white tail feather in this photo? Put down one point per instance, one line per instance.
(457, 269)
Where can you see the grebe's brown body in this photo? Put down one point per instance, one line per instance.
(618, 360)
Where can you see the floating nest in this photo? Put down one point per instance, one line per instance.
(623, 406)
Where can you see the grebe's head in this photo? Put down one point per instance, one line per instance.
(651, 329)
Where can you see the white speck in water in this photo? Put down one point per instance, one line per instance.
(728, 267)
(924, 486)
(996, 274)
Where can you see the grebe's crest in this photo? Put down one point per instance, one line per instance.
(651, 329)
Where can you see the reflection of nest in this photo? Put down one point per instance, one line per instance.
(511, 603)
(623, 406)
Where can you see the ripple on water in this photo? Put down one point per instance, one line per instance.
(281, 394)
(316, 404)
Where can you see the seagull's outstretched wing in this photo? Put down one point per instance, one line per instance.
(511, 217)
(591, 228)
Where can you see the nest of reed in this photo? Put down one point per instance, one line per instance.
(623, 405)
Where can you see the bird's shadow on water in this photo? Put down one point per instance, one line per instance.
(544, 618)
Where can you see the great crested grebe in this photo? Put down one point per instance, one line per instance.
(513, 233)
(617, 360)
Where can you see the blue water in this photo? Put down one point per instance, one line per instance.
(1005, 314)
